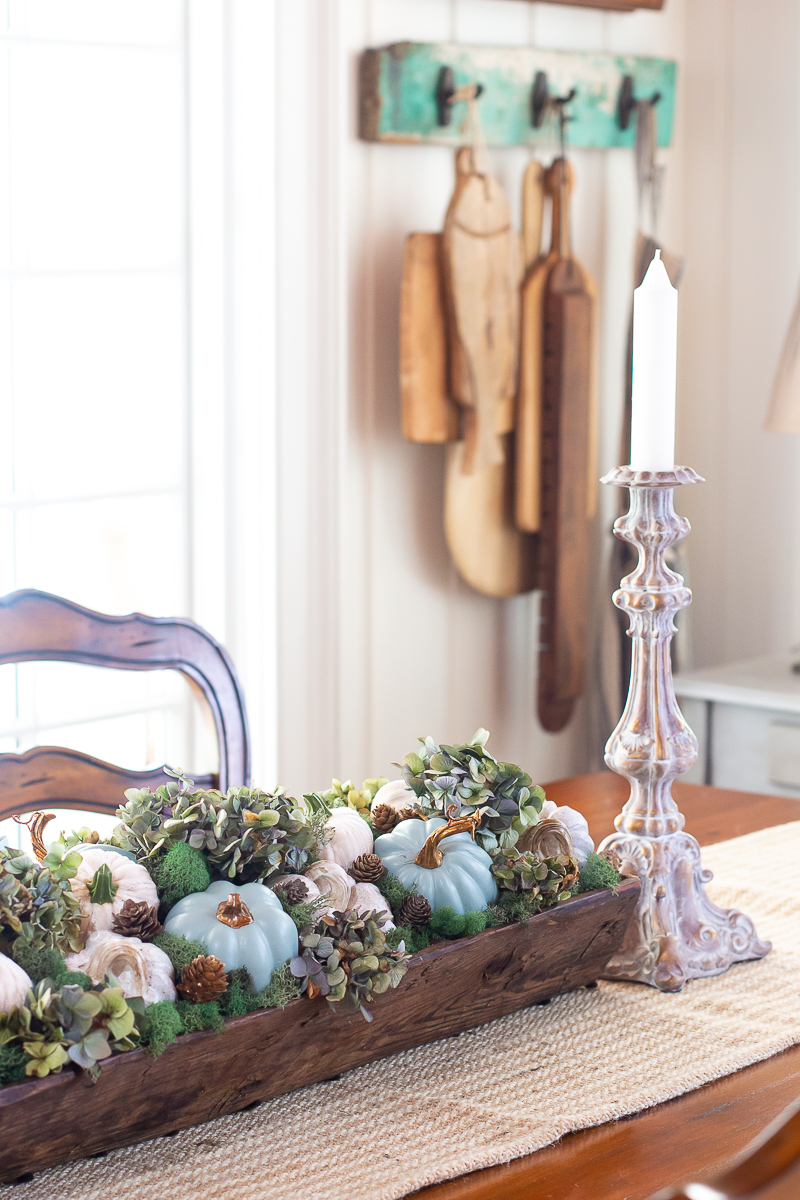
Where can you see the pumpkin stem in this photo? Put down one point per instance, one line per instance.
(101, 886)
(234, 912)
(36, 823)
(430, 856)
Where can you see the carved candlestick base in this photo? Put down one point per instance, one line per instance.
(677, 933)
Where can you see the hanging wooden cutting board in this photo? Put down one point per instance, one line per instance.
(429, 415)
(567, 399)
(528, 495)
(480, 259)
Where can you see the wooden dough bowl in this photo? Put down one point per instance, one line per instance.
(450, 987)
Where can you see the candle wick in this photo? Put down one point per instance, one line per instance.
(657, 256)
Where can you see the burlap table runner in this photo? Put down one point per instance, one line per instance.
(496, 1092)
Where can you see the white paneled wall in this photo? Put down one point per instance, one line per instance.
(379, 639)
(742, 240)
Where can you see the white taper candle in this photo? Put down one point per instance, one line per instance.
(655, 346)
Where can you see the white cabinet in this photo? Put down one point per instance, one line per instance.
(747, 720)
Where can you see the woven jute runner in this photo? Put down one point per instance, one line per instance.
(497, 1092)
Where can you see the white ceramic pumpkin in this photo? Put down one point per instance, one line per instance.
(244, 926)
(396, 793)
(333, 883)
(350, 837)
(312, 889)
(576, 825)
(14, 984)
(140, 968)
(365, 898)
(459, 872)
(104, 881)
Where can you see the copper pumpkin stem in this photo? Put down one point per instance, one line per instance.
(430, 856)
(35, 825)
(234, 913)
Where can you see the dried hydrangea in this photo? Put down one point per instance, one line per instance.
(461, 778)
(551, 879)
(36, 901)
(347, 794)
(347, 960)
(247, 834)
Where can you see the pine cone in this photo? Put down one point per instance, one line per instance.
(295, 891)
(415, 911)
(383, 818)
(203, 979)
(137, 919)
(409, 814)
(367, 868)
(612, 857)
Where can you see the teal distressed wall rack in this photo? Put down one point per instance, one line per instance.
(401, 88)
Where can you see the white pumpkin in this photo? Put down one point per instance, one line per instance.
(365, 898)
(313, 891)
(14, 984)
(396, 793)
(576, 824)
(140, 968)
(333, 882)
(104, 881)
(350, 836)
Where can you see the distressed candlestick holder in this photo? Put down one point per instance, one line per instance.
(676, 933)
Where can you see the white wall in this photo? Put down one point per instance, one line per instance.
(742, 240)
(379, 640)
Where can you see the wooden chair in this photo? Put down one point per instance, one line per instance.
(35, 626)
(769, 1169)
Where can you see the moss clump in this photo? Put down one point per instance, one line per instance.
(40, 962)
(304, 914)
(413, 939)
(181, 872)
(474, 922)
(179, 950)
(446, 922)
(12, 1064)
(598, 873)
(393, 893)
(160, 1025)
(512, 906)
(76, 977)
(240, 999)
(195, 1017)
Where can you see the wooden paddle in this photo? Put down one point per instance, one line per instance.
(429, 415)
(480, 259)
(567, 387)
(528, 499)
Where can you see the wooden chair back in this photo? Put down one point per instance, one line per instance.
(769, 1169)
(36, 626)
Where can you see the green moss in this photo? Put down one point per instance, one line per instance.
(598, 873)
(160, 1025)
(304, 915)
(238, 1001)
(40, 962)
(12, 1064)
(446, 922)
(179, 950)
(181, 872)
(71, 977)
(393, 893)
(281, 989)
(414, 939)
(474, 922)
(199, 1016)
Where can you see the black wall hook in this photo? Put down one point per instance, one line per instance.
(447, 94)
(627, 101)
(541, 100)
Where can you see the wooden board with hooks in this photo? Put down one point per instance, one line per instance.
(404, 89)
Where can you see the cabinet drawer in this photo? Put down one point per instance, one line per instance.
(783, 754)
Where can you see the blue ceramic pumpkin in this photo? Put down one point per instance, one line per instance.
(243, 926)
(452, 870)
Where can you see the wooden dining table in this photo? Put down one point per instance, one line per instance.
(694, 1136)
